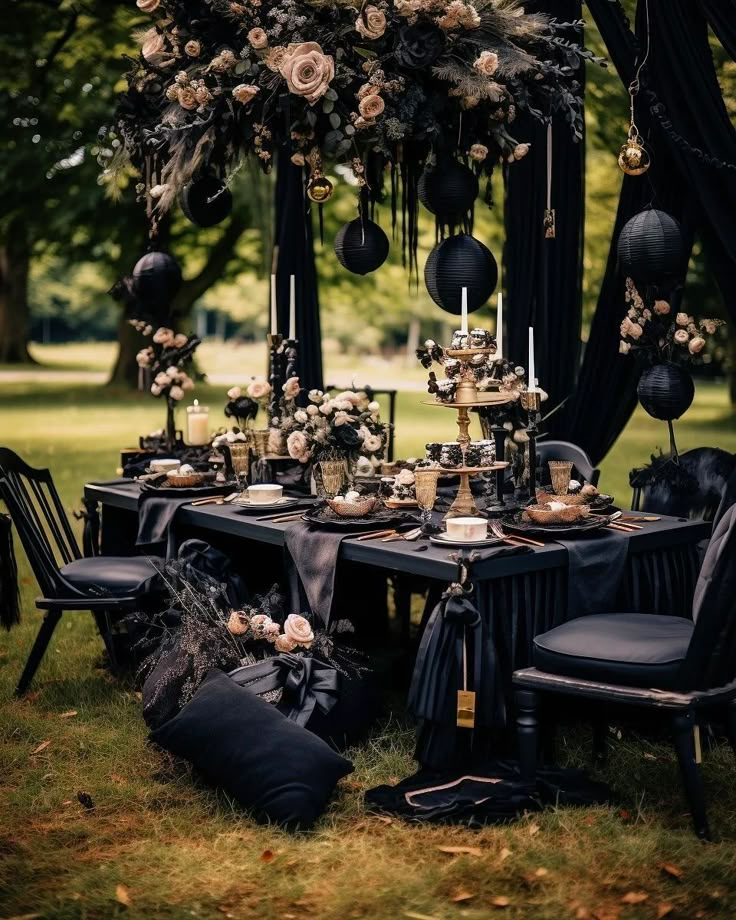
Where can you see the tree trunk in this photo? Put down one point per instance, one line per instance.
(14, 309)
(125, 370)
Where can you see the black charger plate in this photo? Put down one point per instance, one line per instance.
(516, 524)
(378, 520)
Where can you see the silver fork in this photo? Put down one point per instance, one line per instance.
(514, 540)
(409, 535)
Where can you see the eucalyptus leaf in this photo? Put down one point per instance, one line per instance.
(242, 67)
(335, 120)
(331, 95)
(311, 118)
(327, 106)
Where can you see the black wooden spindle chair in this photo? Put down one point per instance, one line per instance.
(670, 667)
(700, 486)
(565, 450)
(105, 585)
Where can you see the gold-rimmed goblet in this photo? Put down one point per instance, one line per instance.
(425, 484)
(333, 476)
(559, 474)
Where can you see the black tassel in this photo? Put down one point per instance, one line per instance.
(9, 588)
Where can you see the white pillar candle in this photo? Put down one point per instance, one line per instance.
(292, 307)
(464, 308)
(532, 378)
(274, 316)
(198, 424)
(499, 326)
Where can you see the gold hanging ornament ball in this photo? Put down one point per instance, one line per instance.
(633, 158)
(320, 189)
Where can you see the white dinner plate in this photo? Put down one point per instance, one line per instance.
(286, 501)
(442, 539)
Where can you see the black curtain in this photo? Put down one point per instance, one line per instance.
(294, 255)
(543, 277)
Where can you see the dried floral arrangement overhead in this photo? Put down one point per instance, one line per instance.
(392, 83)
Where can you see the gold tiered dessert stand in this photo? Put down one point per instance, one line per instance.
(467, 396)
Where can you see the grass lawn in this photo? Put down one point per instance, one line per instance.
(158, 844)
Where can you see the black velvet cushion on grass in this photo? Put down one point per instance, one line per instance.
(269, 764)
(633, 649)
(118, 575)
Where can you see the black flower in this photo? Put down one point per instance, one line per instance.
(419, 46)
(346, 437)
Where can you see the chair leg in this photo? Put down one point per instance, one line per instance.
(682, 730)
(731, 725)
(527, 730)
(104, 627)
(51, 618)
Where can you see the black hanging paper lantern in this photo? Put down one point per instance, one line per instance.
(448, 191)
(361, 246)
(666, 391)
(156, 278)
(457, 262)
(650, 248)
(206, 201)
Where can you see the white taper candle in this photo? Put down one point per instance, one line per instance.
(274, 314)
(464, 315)
(532, 374)
(499, 326)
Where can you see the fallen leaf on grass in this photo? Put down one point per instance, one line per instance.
(461, 895)
(634, 897)
(117, 778)
(534, 830)
(268, 856)
(122, 895)
(664, 909)
(416, 916)
(69, 714)
(648, 756)
(624, 815)
(500, 901)
(590, 820)
(42, 747)
(67, 802)
(384, 819)
(674, 871)
(607, 913)
(504, 854)
(458, 851)
(541, 872)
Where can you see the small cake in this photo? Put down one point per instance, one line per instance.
(433, 451)
(446, 390)
(479, 338)
(472, 455)
(452, 367)
(460, 339)
(452, 455)
(487, 452)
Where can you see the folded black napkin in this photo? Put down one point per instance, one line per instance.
(596, 565)
(311, 560)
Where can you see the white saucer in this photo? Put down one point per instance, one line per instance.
(286, 501)
(442, 539)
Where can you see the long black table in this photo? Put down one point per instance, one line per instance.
(518, 596)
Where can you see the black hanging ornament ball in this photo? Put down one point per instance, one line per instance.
(666, 391)
(448, 190)
(361, 246)
(156, 278)
(651, 250)
(206, 201)
(457, 262)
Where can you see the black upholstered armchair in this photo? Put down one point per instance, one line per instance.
(105, 585)
(672, 667)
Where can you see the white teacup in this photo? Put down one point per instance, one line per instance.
(265, 493)
(467, 529)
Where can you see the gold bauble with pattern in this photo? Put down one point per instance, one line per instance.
(320, 189)
(633, 158)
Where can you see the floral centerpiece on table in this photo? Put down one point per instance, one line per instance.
(166, 361)
(244, 404)
(341, 427)
(361, 84)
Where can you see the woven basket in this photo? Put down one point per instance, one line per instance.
(569, 515)
(353, 509)
(185, 482)
(578, 499)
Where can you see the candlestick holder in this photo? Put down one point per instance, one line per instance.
(291, 353)
(275, 372)
(531, 402)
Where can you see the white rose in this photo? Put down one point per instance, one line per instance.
(257, 389)
(312, 410)
(405, 478)
(234, 393)
(301, 416)
(161, 380)
(291, 388)
(176, 393)
(315, 396)
(180, 340)
(284, 644)
(172, 372)
(374, 406)
(372, 443)
(326, 408)
(155, 389)
(163, 336)
(298, 629)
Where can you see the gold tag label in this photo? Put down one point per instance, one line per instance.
(465, 709)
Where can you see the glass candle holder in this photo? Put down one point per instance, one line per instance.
(198, 425)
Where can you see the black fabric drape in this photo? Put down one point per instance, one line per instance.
(294, 255)
(543, 277)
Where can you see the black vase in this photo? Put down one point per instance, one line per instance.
(651, 250)
(448, 191)
(665, 391)
(361, 246)
(457, 262)
(206, 201)
(156, 278)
